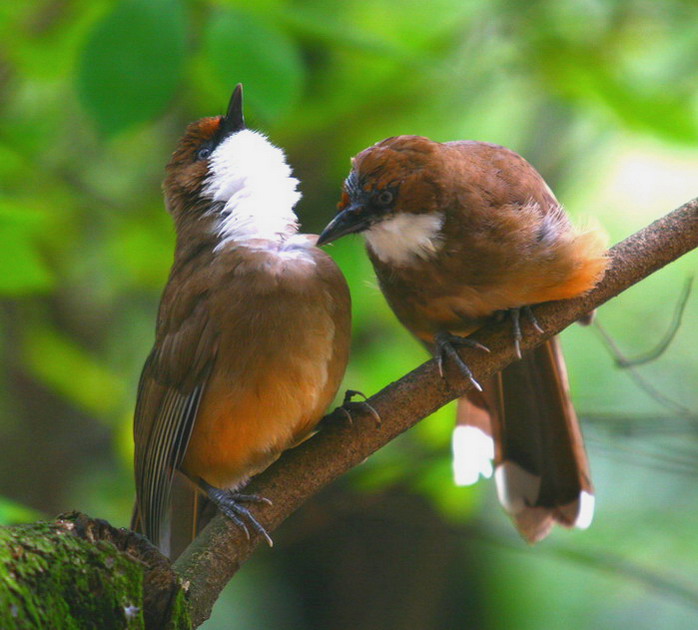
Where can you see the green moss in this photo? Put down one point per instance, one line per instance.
(52, 579)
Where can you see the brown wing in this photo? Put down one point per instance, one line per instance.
(171, 387)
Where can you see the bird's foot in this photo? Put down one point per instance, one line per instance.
(231, 504)
(515, 314)
(363, 405)
(446, 347)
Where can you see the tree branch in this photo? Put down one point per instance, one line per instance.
(221, 548)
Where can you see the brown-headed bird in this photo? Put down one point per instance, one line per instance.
(253, 330)
(459, 232)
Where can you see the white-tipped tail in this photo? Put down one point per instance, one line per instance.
(518, 492)
(585, 510)
(517, 489)
(473, 452)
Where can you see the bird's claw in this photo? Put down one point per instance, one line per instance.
(230, 503)
(528, 311)
(347, 404)
(445, 343)
(516, 325)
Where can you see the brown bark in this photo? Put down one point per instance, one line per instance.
(215, 556)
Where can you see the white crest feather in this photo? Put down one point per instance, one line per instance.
(252, 178)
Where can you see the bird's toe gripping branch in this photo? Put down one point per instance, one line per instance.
(231, 504)
(348, 405)
(446, 347)
(515, 314)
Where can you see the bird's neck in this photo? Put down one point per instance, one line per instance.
(258, 210)
(251, 191)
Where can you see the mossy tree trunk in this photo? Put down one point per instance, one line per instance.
(78, 572)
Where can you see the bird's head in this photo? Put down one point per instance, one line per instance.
(394, 196)
(189, 169)
(223, 169)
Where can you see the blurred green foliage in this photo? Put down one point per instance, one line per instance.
(115, 73)
(601, 95)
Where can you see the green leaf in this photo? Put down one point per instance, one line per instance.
(68, 369)
(141, 249)
(590, 76)
(22, 269)
(12, 513)
(132, 62)
(243, 49)
(456, 503)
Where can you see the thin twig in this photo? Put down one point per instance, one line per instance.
(605, 561)
(642, 424)
(641, 382)
(665, 341)
(623, 362)
(644, 457)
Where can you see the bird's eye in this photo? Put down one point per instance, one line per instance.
(203, 153)
(384, 198)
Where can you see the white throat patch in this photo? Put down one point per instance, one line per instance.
(404, 238)
(251, 177)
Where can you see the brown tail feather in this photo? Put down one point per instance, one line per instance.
(191, 511)
(542, 472)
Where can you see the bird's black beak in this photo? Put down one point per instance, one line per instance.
(234, 120)
(349, 221)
